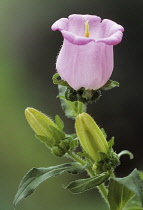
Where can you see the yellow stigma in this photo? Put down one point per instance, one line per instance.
(86, 34)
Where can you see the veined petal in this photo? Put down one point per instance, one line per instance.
(114, 39)
(74, 39)
(76, 23)
(110, 32)
(87, 61)
(88, 66)
(61, 24)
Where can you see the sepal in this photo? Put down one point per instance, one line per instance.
(48, 142)
(110, 84)
(59, 122)
(57, 81)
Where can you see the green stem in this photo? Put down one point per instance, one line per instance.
(102, 188)
(104, 192)
(77, 158)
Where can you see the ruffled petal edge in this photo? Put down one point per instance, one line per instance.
(114, 39)
(77, 40)
(61, 24)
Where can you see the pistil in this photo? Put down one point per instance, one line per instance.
(87, 33)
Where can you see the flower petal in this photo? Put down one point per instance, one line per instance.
(110, 32)
(76, 23)
(114, 39)
(61, 24)
(74, 39)
(88, 66)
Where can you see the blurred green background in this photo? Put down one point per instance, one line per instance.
(28, 50)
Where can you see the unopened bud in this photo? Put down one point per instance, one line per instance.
(43, 125)
(91, 137)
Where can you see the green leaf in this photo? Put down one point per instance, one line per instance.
(110, 84)
(59, 122)
(71, 109)
(38, 175)
(141, 174)
(60, 81)
(133, 204)
(82, 185)
(118, 195)
(45, 140)
(133, 207)
(122, 189)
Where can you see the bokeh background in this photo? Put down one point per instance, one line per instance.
(28, 50)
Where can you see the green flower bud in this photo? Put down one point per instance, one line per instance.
(57, 151)
(62, 148)
(43, 125)
(91, 137)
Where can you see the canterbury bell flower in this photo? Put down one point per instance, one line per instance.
(86, 57)
(90, 136)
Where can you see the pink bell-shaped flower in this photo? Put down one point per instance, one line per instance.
(86, 57)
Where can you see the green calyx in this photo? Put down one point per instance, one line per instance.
(106, 163)
(82, 95)
(61, 148)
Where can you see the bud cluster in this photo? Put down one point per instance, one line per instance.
(49, 132)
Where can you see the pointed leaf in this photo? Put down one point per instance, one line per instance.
(118, 195)
(134, 183)
(133, 204)
(141, 174)
(71, 109)
(37, 175)
(82, 185)
(59, 122)
(122, 189)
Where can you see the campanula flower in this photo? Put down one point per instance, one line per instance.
(86, 56)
